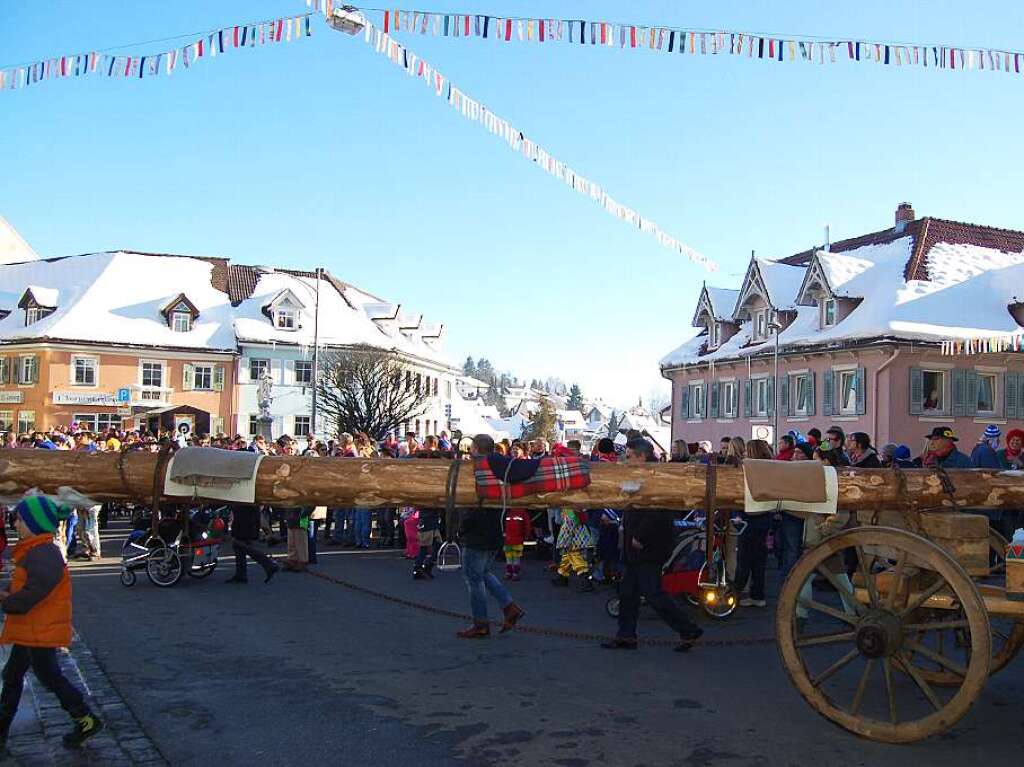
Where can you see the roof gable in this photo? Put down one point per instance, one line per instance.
(179, 303)
(34, 295)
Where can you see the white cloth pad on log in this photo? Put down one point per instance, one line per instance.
(209, 472)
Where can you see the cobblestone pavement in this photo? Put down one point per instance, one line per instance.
(35, 739)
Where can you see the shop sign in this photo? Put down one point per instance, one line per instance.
(103, 399)
(11, 397)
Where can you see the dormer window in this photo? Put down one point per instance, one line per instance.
(285, 318)
(180, 313)
(181, 322)
(34, 314)
(284, 311)
(38, 303)
(828, 312)
(760, 324)
(712, 335)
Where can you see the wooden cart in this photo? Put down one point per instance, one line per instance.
(892, 634)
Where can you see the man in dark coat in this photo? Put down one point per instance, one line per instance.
(245, 530)
(647, 544)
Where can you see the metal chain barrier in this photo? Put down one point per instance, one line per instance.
(534, 630)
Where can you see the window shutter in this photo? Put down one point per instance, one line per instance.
(243, 370)
(959, 392)
(746, 398)
(35, 368)
(812, 385)
(289, 372)
(771, 395)
(684, 401)
(860, 383)
(916, 393)
(1011, 395)
(16, 370)
(971, 400)
(828, 389)
(715, 396)
(218, 379)
(784, 395)
(3, 370)
(187, 376)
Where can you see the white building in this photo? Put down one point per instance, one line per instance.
(280, 311)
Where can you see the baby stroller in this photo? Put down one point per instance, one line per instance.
(188, 542)
(686, 574)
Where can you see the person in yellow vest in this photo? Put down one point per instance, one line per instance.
(38, 620)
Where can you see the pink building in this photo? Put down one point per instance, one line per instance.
(859, 326)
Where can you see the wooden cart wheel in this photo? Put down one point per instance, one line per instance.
(1007, 633)
(843, 657)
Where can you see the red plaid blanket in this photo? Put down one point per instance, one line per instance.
(552, 475)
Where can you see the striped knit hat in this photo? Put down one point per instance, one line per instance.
(39, 514)
(992, 431)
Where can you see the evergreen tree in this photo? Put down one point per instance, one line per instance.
(469, 367)
(575, 398)
(542, 426)
(485, 371)
(613, 424)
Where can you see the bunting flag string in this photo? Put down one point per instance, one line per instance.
(675, 40)
(206, 45)
(479, 113)
(994, 345)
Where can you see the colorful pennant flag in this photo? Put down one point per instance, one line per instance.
(955, 347)
(473, 110)
(210, 45)
(690, 41)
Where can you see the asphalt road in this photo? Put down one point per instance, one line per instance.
(304, 671)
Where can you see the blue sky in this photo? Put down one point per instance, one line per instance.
(322, 153)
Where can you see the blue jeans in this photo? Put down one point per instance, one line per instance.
(361, 521)
(791, 541)
(476, 571)
(342, 526)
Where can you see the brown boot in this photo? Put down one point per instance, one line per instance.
(512, 615)
(479, 630)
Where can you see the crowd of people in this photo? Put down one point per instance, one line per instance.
(594, 547)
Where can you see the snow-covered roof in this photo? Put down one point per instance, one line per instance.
(782, 281)
(840, 269)
(14, 249)
(964, 292)
(45, 297)
(723, 301)
(117, 298)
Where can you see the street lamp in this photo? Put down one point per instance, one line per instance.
(775, 328)
(347, 19)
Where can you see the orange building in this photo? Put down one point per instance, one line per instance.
(117, 339)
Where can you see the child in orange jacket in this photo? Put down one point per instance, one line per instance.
(38, 620)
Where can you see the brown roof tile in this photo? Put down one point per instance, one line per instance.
(241, 282)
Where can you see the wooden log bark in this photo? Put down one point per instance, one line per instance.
(296, 481)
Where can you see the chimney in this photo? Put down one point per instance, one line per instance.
(904, 215)
(828, 238)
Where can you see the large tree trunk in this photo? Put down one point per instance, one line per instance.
(351, 482)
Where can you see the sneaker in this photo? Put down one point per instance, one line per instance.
(748, 602)
(85, 727)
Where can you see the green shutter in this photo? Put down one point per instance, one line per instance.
(959, 392)
(35, 368)
(771, 395)
(971, 400)
(187, 376)
(828, 392)
(1011, 395)
(860, 383)
(746, 398)
(784, 395)
(16, 370)
(811, 383)
(4, 370)
(684, 402)
(715, 395)
(916, 391)
(218, 378)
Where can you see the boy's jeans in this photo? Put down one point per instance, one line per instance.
(476, 571)
(43, 661)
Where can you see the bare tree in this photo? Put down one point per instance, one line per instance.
(368, 389)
